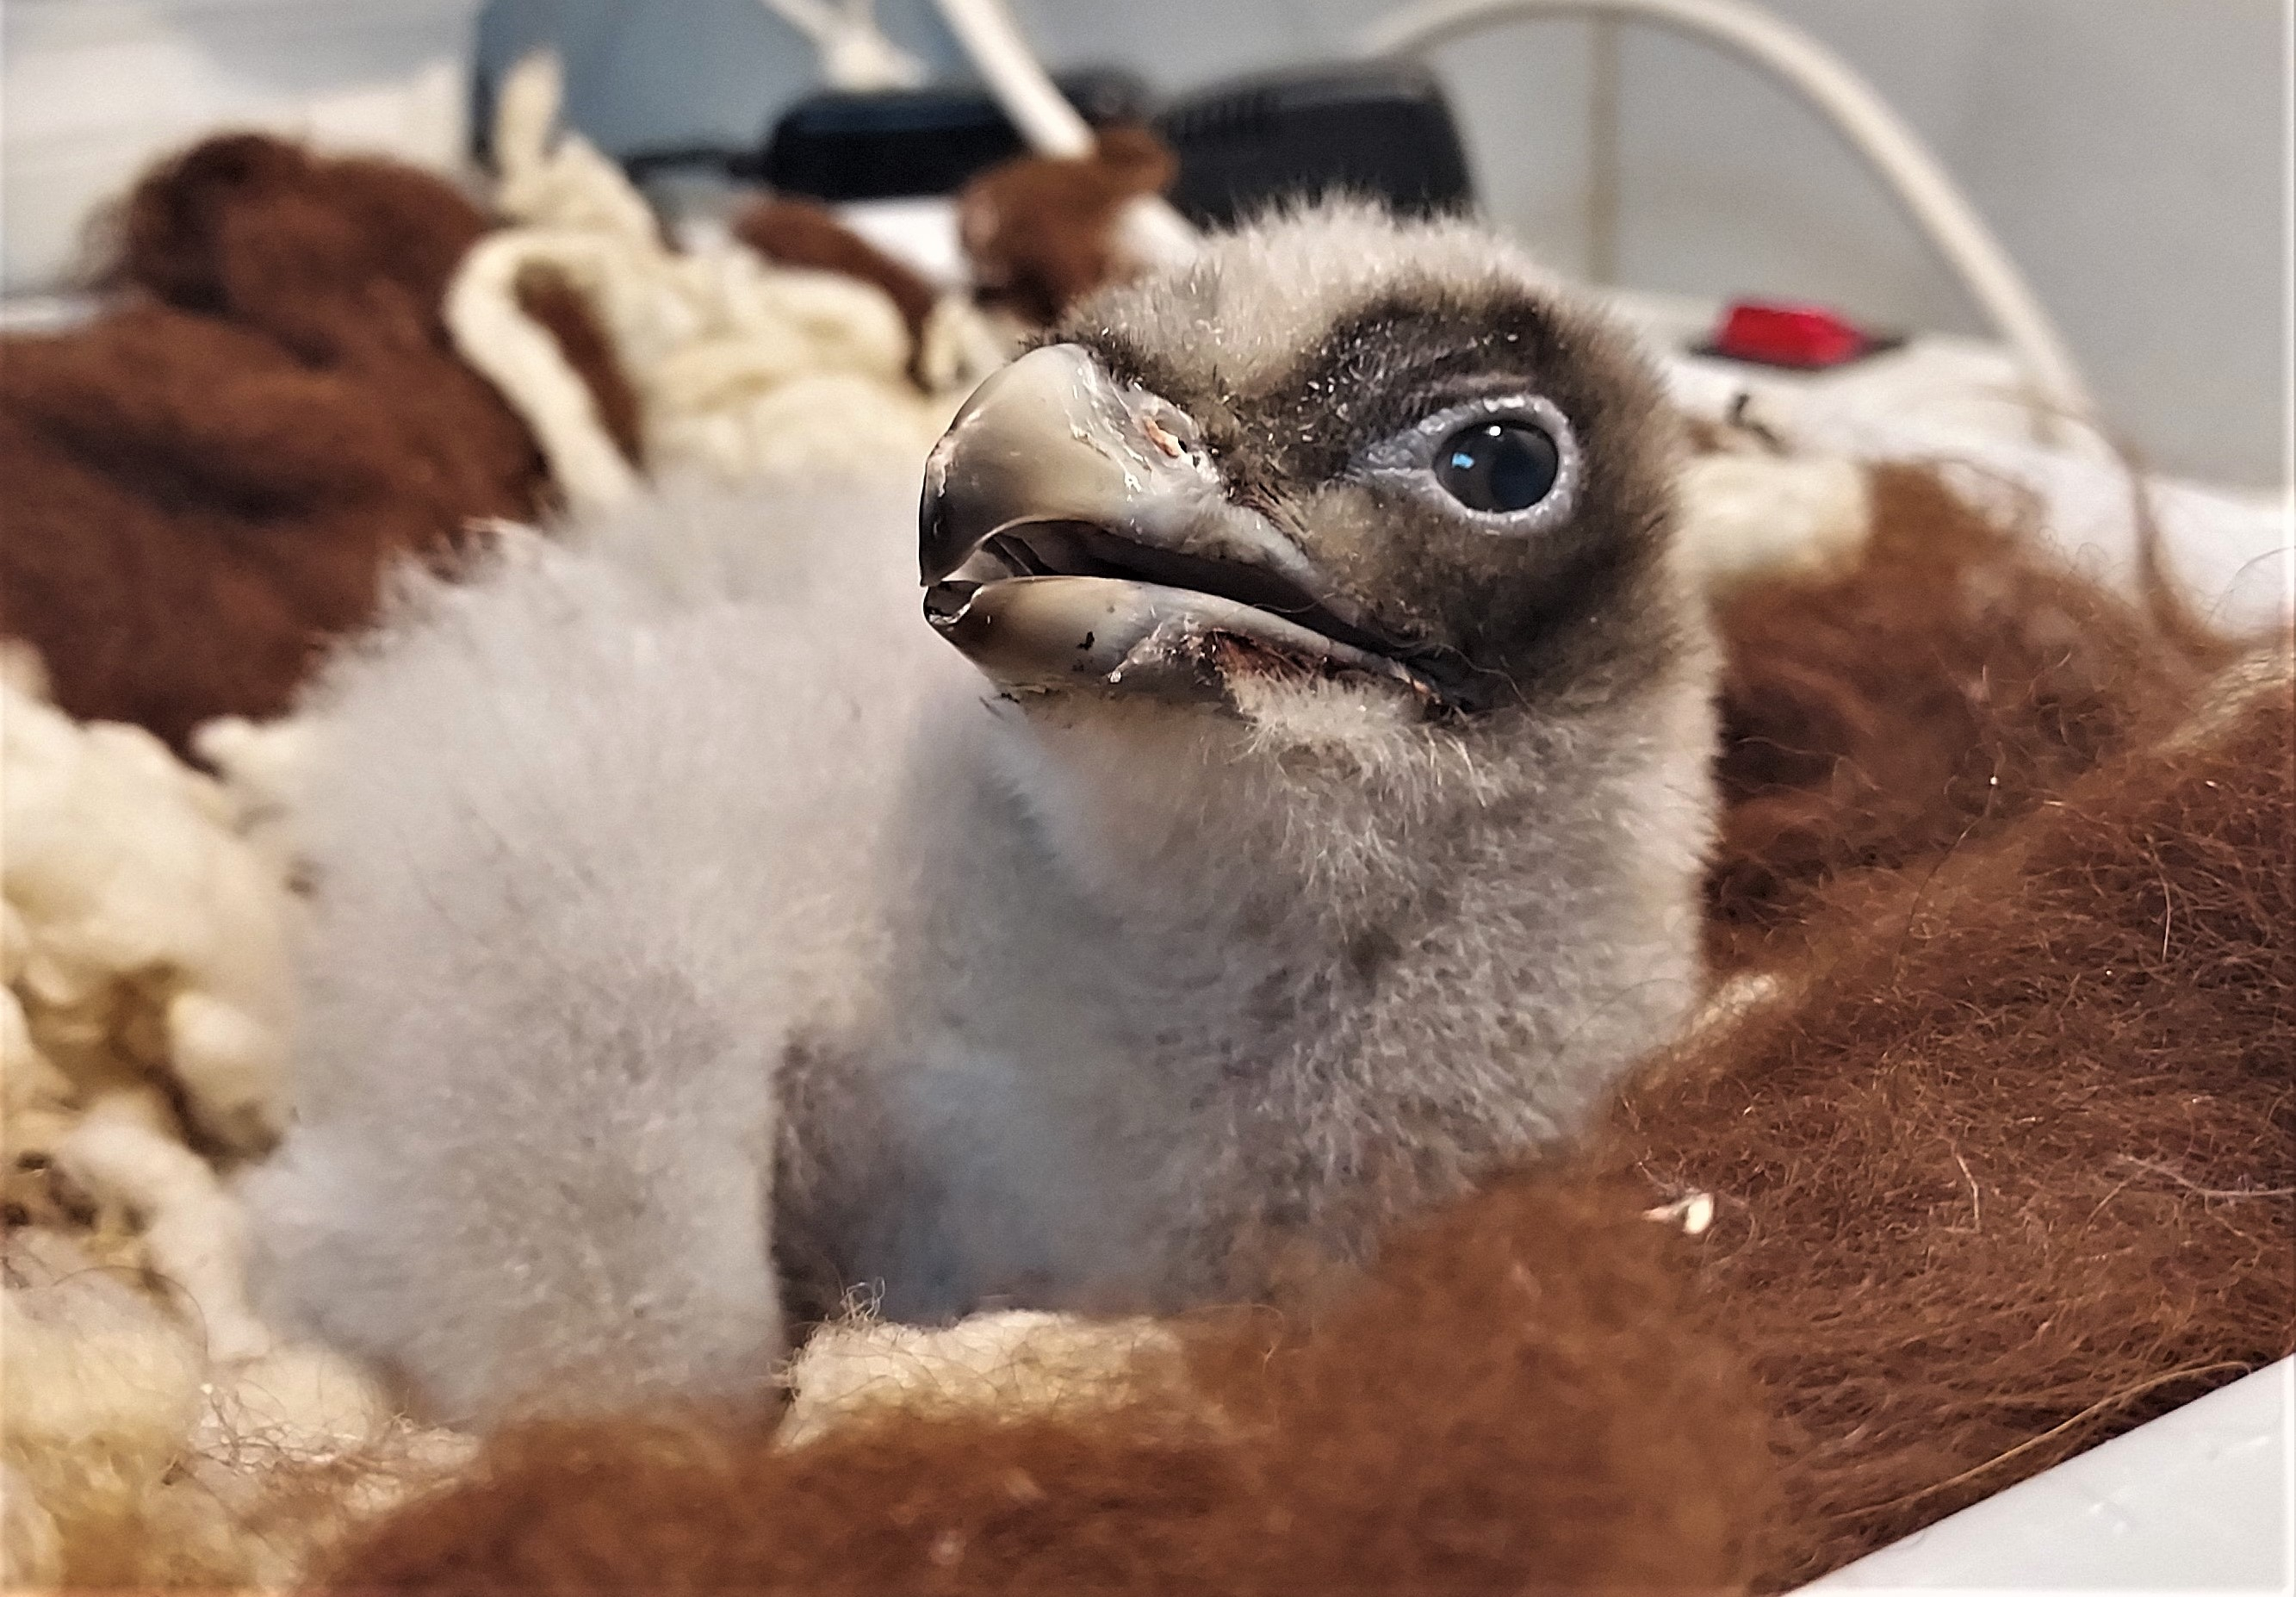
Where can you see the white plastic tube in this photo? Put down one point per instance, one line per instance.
(1153, 233)
(1864, 118)
(1022, 86)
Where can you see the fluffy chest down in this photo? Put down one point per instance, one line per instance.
(1130, 1045)
(1026, 1084)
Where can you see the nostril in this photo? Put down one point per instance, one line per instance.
(1162, 437)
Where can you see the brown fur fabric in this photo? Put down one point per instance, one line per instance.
(203, 484)
(1932, 693)
(1509, 1404)
(2015, 1168)
(798, 232)
(1040, 233)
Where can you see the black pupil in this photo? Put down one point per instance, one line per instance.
(1497, 467)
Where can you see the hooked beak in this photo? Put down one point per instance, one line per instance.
(1074, 534)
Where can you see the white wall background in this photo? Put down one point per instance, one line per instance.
(2132, 154)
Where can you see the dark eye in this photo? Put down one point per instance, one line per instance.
(1499, 466)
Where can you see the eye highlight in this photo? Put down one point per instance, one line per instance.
(1508, 465)
(1498, 467)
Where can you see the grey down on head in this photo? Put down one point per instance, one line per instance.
(1288, 810)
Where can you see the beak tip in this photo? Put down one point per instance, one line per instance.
(1013, 449)
(937, 552)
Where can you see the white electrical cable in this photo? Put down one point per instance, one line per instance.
(855, 53)
(1863, 117)
(1153, 233)
(1038, 109)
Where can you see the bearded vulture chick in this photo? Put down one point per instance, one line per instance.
(1289, 808)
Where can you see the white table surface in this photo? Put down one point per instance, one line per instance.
(2197, 1501)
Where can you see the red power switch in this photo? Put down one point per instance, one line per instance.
(1807, 337)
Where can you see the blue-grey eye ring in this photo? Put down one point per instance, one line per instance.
(1510, 463)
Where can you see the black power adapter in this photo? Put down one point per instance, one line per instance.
(1381, 129)
(1378, 128)
(893, 143)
